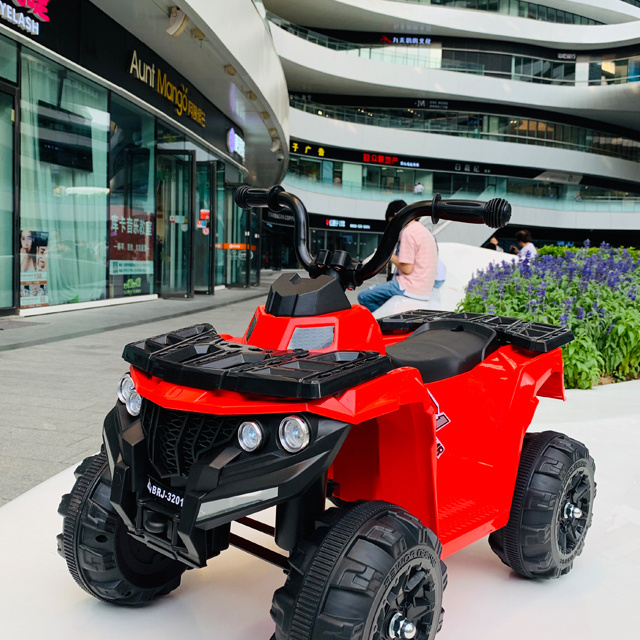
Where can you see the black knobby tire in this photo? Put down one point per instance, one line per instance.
(101, 556)
(545, 534)
(360, 567)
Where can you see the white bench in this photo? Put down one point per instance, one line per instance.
(400, 304)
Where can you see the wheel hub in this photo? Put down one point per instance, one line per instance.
(401, 627)
(571, 511)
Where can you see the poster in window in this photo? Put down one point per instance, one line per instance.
(130, 251)
(34, 288)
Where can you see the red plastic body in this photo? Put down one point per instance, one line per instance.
(447, 452)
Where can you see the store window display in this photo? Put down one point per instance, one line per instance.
(64, 131)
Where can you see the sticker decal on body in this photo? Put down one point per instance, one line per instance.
(442, 420)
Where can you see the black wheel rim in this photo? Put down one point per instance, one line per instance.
(578, 493)
(414, 594)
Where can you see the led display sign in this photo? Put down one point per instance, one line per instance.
(235, 143)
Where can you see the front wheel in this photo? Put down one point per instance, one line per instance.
(552, 507)
(101, 556)
(370, 572)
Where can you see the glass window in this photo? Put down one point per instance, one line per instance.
(221, 227)
(64, 130)
(132, 200)
(8, 60)
(6, 201)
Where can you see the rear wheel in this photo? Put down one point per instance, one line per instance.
(101, 556)
(370, 572)
(552, 507)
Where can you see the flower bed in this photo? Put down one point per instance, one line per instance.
(592, 291)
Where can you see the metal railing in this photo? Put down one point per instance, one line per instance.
(516, 8)
(596, 142)
(433, 58)
(360, 192)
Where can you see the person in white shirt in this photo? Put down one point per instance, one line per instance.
(525, 248)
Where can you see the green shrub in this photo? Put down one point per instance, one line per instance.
(591, 291)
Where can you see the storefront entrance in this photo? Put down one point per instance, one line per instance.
(7, 142)
(175, 198)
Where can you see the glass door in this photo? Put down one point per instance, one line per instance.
(237, 242)
(7, 142)
(175, 196)
(254, 250)
(204, 241)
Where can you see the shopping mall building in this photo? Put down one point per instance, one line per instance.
(125, 128)
(534, 102)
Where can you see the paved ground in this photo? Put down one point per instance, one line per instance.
(59, 374)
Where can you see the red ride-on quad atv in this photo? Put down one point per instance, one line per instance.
(414, 426)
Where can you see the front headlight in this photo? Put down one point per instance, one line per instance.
(125, 388)
(128, 395)
(294, 434)
(250, 436)
(134, 403)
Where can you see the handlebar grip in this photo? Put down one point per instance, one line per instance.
(495, 214)
(247, 197)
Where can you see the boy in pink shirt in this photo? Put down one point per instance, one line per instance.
(416, 263)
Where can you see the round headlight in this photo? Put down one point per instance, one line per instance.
(134, 403)
(294, 434)
(250, 436)
(125, 388)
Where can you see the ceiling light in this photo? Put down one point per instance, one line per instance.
(196, 34)
(178, 22)
(230, 70)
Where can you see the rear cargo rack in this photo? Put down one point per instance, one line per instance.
(198, 357)
(532, 336)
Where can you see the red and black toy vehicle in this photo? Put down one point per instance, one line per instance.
(414, 426)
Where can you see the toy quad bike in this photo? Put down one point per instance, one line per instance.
(413, 426)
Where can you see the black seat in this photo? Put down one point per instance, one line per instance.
(444, 348)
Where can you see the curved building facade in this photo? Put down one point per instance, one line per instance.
(124, 128)
(534, 102)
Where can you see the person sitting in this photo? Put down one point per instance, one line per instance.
(525, 248)
(416, 262)
(492, 244)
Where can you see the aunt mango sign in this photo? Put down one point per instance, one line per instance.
(155, 78)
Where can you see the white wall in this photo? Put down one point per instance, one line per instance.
(338, 206)
(313, 68)
(337, 133)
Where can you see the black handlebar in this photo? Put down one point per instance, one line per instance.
(495, 214)
(246, 197)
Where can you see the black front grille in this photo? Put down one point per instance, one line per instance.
(177, 439)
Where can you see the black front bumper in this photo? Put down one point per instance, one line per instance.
(223, 485)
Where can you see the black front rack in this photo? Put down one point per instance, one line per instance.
(198, 357)
(532, 336)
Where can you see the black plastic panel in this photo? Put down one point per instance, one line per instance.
(198, 357)
(533, 336)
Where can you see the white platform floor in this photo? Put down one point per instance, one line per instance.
(230, 599)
